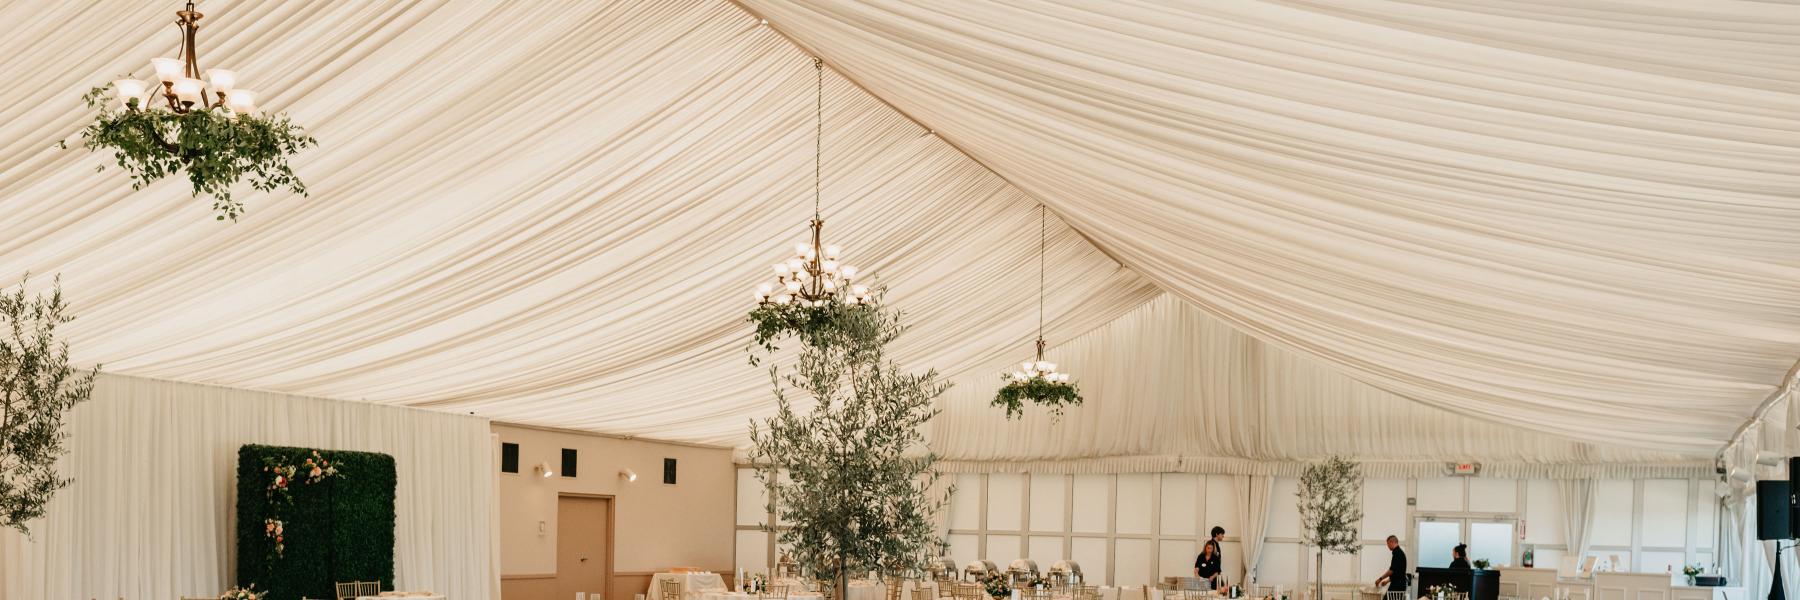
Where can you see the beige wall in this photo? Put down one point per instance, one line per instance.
(655, 526)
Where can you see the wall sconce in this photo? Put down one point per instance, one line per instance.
(544, 469)
(628, 475)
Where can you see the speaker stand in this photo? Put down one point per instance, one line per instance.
(1775, 587)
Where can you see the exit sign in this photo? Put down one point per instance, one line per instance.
(1464, 468)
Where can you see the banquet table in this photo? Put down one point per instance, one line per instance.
(693, 585)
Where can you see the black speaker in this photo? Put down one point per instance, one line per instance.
(1773, 507)
(1793, 491)
(669, 471)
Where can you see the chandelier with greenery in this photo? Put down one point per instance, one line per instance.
(1037, 380)
(211, 129)
(813, 290)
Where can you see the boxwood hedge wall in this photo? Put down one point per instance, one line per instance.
(341, 529)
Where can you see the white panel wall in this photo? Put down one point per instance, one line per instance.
(1444, 495)
(1612, 514)
(1222, 505)
(1133, 504)
(1090, 498)
(965, 548)
(1134, 563)
(1180, 506)
(1665, 512)
(1493, 495)
(1003, 549)
(965, 503)
(1006, 501)
(1047, 505)
(1544, 516)
(752, 550)
(1177, 558)
(1284, 511)
(1091, 554)
(1384, 510)
(752, 500)
(1046, 550)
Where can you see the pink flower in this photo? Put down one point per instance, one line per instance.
(315, 472)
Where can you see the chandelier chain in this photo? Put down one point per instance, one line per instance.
(818, 129)
(1041, 238)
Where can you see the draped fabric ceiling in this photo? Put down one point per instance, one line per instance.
(1477, 216)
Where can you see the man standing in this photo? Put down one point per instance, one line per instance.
(1395, 577)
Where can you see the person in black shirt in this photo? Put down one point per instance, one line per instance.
(1395, 577)
(1459, 557)
(1206, 566)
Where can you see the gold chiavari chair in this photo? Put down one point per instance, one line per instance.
(368, 588)
(892, 586)
(776, 591)
(669, 590)
(923, 593)
(946, 587)
(968, 591)
(1087, 592)
(346, 590)
(1035, 594)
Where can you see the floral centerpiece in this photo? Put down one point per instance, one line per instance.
(1692, 572)
(1482, 563)
(755, 583)
(1439, 592)
(997, 586)
(248, 593)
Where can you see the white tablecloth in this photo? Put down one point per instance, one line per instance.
(692, 584)
(400, 598)
(1108, 592)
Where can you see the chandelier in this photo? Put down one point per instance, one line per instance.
(181, 87)
(1037, 380)
(814, 276)
(210, 128)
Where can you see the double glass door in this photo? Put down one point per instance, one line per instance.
(1488, 538)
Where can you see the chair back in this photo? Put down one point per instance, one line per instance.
(892, 586)
(968, 591)
(1087, 592)
(1035, 594)
(946, 587)
(669, 590)
(368, 588)
(347, 589)
(776, 591)
(922, 593)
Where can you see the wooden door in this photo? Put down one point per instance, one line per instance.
(583, 534)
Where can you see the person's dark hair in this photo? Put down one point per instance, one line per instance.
(1461, 550)
(1218, 531)
(1392, 538)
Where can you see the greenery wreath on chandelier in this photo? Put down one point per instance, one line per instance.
(1037, 380)
(211, 130)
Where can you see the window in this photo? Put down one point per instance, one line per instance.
(509, 457)
(669, 471)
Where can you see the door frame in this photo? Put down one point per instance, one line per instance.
(612, 511)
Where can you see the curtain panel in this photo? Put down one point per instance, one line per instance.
(150, 513)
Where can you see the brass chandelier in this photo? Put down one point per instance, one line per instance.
(181, 86)
(814, 276)
(1037, 380)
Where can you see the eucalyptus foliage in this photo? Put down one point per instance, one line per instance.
(1330, 495)
(214, 146)
(852, 484)
(819, 326)
(37, 386)
(1040, 391)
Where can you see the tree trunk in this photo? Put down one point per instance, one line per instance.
(843, 578)
(1319, 575)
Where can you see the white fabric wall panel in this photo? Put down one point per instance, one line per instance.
(123, 529)
(1134, 501)
(1003, 549)
(1006, 499)
(1048, 499)
(1493, 495)
(1280, 564)
(752, 550)
(1706, 509)
(752, 499)
(1222, 506)
(965, 548)
(1092, 555)
(1180, 504)
(1661, 562)
(1175, 558)
(1133, 565)
(1444, 494)
(1665, 517)
(1340, 568)
(1090, 497)
(1234, 559)
(1543, 516)
(965, 502)
(1374, 560)
(1284, 509)
(1384, 507)
(1046, 550)
(1612, 514)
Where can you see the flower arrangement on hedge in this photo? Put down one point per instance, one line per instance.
(217, 147)
(248, 593)
(312, 470)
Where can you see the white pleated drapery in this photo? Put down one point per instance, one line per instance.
(1253, 493)
(1579, 218)
(1169, 388)
(151, 511)
(1578, 513)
